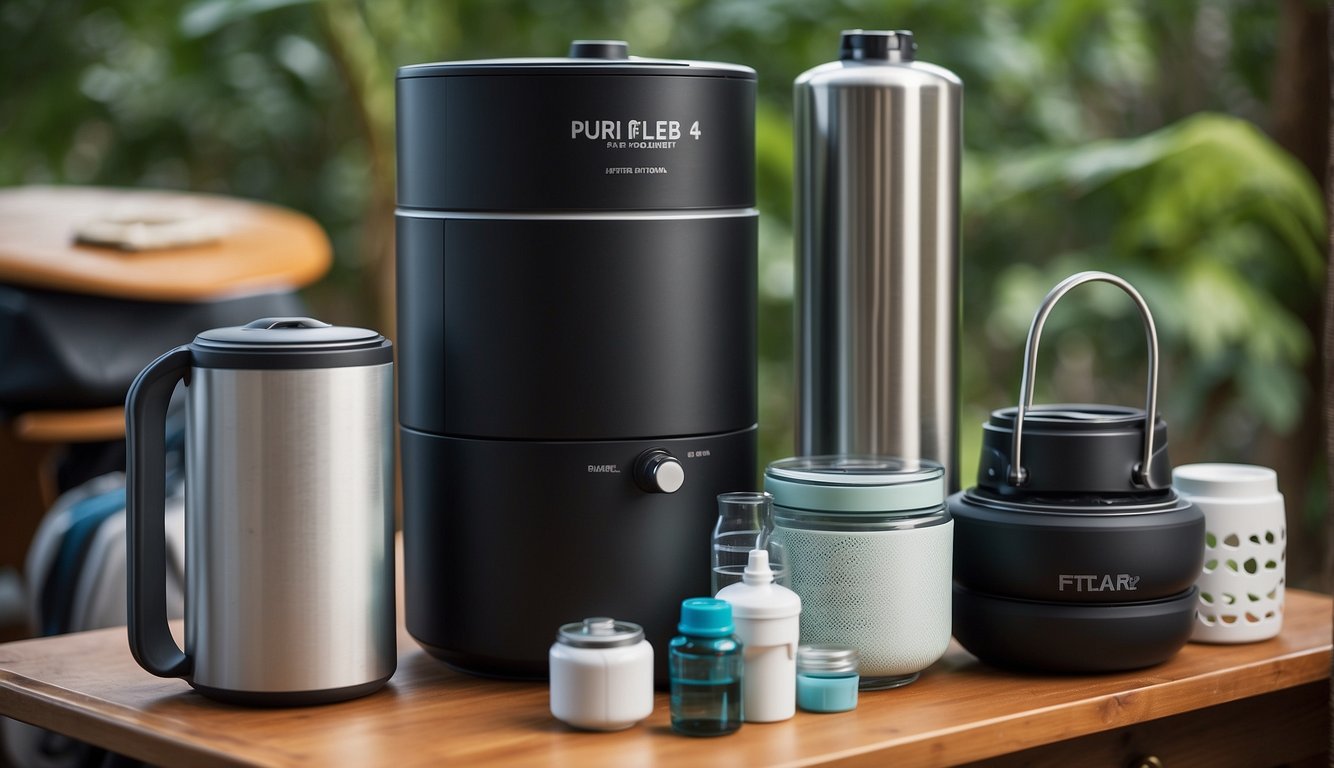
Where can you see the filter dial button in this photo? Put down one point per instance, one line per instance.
(657, 471)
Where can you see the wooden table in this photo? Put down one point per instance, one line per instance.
(1244, 705)
(265, 247)
(260, 248)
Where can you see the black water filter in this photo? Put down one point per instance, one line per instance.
(577, 308)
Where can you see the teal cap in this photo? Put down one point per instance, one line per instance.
(706, 617)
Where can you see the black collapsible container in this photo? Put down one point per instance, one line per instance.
(1073, 553)
(576, 336)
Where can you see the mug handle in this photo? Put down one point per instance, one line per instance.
(145, 507)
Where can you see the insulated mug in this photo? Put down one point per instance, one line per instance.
(289, 513)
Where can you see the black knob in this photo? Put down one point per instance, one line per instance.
(657, 471)
(599, 49)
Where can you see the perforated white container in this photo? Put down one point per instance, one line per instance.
(869, 546)
(1241, 588)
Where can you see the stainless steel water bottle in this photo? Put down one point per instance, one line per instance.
(877, 239)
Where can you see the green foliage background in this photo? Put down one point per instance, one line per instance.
(1125, 135)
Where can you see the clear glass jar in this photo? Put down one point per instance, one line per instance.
(745, 522)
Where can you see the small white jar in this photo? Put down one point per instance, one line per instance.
(601, 675)
(1245, 548)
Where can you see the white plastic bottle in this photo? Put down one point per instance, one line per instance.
(768, 624)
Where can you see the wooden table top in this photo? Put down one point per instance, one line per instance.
(265, 247)
(86, 685)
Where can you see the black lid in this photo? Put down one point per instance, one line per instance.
(602, 131)
(587, 57)
(876, 45)
(599, 49)
(1073, 450)
(290, 342)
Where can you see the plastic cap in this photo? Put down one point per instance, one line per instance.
(1226, 481)
(757, 568)
(706, 617)
(822, 660)
(600, 632)
(757, 596)
(599, 49)
(876, 45)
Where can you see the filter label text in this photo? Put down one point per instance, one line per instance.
(1088, 582)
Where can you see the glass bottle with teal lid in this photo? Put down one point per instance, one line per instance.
(706, 666)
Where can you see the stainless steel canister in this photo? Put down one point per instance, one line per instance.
(877, 239)
(289, 492)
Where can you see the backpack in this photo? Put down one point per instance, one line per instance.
(76, 578)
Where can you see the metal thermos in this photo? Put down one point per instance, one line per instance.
(877, 233)
(289, 505)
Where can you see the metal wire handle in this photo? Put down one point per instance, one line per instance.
(1019, 475)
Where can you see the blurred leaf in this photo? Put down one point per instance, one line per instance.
(208, 16)
(1100, 134)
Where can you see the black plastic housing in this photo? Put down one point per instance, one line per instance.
(1110, 553)
(576, 287)
(567, 329)
(533, 135)
(1073, 449)
(1074, 638)
(523, 535)
(1082, 565)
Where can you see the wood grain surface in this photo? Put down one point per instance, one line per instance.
(266, 248)
(960, 710)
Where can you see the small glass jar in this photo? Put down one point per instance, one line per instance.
(827, 678)
(869, 547)
(745, 522)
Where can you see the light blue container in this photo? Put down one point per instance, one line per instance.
(705, 664)
(827, 678)
(869, 546)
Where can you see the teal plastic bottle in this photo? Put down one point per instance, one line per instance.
(706, 667)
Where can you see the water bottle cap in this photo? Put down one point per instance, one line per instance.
(757, 596)
(706, 617)
(600, 632)
(757, 568)
(877, 45)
